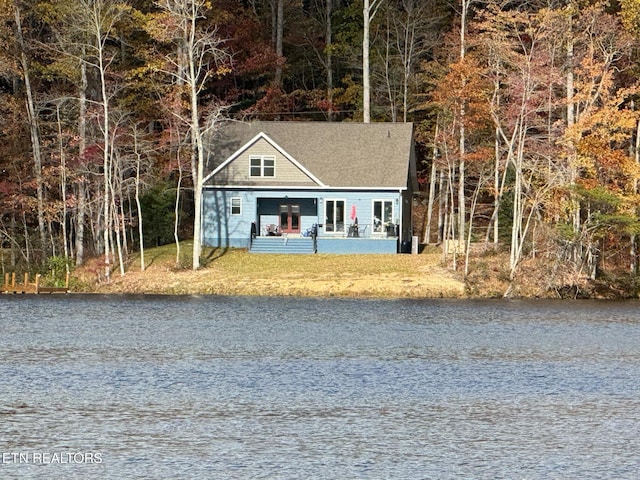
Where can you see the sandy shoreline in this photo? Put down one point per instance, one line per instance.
(241, 273)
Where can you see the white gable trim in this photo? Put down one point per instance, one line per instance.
(263, 136)
(302, 187)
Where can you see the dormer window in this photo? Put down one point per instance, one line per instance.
(262, 166)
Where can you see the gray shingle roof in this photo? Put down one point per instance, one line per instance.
(340, 155)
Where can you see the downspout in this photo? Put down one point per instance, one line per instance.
(401, 218)
(202, 202)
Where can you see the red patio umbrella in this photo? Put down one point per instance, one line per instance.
(353, 229)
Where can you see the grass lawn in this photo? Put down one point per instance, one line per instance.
(237, 272)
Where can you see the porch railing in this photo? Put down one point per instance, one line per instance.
(364, 230)
(351, 230)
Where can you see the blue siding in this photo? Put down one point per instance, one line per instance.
(222, 229)
(363, 201)
(357, 245)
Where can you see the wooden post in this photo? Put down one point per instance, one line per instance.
(37, 283)
(26, 279)
(6, 279)
(13, 279)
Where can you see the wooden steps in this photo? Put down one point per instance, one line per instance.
(302, 245)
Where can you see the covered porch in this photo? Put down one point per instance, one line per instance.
(286, 216)
(314, 225)
(303, 216)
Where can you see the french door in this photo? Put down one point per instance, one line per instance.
(334, 212)
(290, 218)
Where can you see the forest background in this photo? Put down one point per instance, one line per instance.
(526, 117)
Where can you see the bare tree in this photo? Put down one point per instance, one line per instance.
(87, 34)
(323, 16)
(411, 34)
(138, 152)
(70, 46)
(34, 128)
(465, 6)
(99, 20)
(199, 56)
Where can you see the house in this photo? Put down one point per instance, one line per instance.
(310, 187)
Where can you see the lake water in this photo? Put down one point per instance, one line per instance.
(146, 387)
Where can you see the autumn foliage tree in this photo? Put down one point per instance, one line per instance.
(526, 113)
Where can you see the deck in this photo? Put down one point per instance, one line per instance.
(292, 244)
(11, 287)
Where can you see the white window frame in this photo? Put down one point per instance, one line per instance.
(383, 222)
(344, 212)
(238, 206)
(262, 166)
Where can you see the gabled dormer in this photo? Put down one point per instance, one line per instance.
(261, 162)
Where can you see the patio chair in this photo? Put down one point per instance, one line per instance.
(273, 230)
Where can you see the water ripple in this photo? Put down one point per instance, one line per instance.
(223, 387)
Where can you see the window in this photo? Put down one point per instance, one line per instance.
(334, 216)
(262, 166)
(236, 206)
(382, 215)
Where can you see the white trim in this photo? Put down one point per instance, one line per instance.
(325, 222)
(231, 199)
(262, 159)
(263, 136)
(382, 221)
(400, 223)
(302, 187)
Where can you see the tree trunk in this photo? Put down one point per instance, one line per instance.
(634, 238)
(279, 43)
(199, 157)
(201, 52)
(456, 239)
(33, 129)
(63, 189)
(391, 94)
(432, 196)
(366, 92)
(408, 57)
(496, 195)
(116, 193)
(462, 139)
(442, 198)
(571, 118)
(139, 210)
(106, 165)
(176, 222)
(432, 189)
(328, 49)
(123, 225)
(119, 237)
(368, 13)
(474, 203)
(82, 147)
(14, 247)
